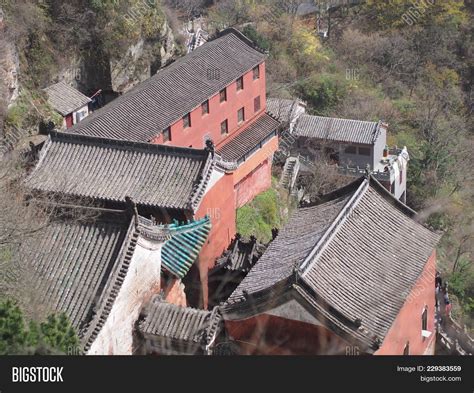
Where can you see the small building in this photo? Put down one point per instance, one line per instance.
(355, 146)
(70, 103)
(169, 329)
(352, 273)
(101, 266)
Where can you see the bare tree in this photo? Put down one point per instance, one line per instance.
(322, 179)
(187, 8)
(23, 219)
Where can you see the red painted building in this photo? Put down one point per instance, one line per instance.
(352, 273)
(216, 93)
(70, 103)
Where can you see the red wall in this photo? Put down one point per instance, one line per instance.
(407, 325)
(259, 180)
(254, 175)
(211, 123)
(219, 202)
(219, 205)
(271, 335)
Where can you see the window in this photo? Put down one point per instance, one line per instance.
(80, 115)
(406, 349)
(364, 151)
(424, 319)
(256, 73)
(187, 120)
(256, 104)
(240, 115)
(401, 176)
(167, 134)
(350, 150)
(205, 108)
(240, 83)
(223, 95)
(224, 127)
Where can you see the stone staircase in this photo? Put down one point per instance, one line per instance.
(197, 39)
(290, 173)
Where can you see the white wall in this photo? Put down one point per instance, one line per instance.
(141, 283)
(297, 112)
(401, 165)
(74, 115)
(379, 146)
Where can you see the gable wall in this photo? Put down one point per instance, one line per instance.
(141, 283)
(407, 325)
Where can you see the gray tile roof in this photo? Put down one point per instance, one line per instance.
(339, 130)
(180, 329)
(81, 264)
(247, 141)
(282, 109)
(65, 99)
(290, 248)
(109, 170)
(355, 268)
(82, 257)
(166, 97)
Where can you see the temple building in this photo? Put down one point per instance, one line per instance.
(167, 184)
(102, 266)
(352, 272)
(213, 98)
(355, 146)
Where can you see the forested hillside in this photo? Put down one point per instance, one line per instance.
(412, 68)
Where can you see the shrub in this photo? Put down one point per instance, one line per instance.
(53, 336)
(257, 38)
(323, 92)
(260, 216)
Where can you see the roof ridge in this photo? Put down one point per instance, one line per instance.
(187, 227)
(164, 232)
(112, 288)
(200, 187)
(390, 198)
(340, 192)
(239, 35)
(164, 303)
(333, 228)
(340, 118)
(58, 136)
